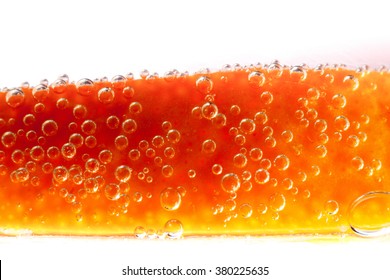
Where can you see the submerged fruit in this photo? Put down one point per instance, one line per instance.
(254, 150)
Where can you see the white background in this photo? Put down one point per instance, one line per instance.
(44, 39)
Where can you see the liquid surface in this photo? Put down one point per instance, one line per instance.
(262, 150)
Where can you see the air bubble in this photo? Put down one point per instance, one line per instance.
(37, 153)
(204, 85)
(235, 110)
(92, 165)
(134, 154)
(299, 72)
(129, 126)
(219, 120)
(68, 151)
(240, 139)
(287, 183)
(79, 112)
(230, 183)
(339, 101)
(105, 156)
(49, 128)
(88, 127)
(21, 175)
(217, 169)
(167, 171)
(256, 79)
(169, 152)
(313, 94)
(91, 185)
(135, 108)
(331, 207)
(277, 202)
(14, 98)
(170, 199)
(287, 136)
(282, 162)
(112, 192)
(262, 176)
(40, 92)
(18, 157)
(85, 87)
(247, 126)
(266, 98)
(173, 136)
(106, 95)
(59, 86)
(240, 160)
(209, 146)
(320, 125)
(60, 174)
(353, 141)
(351, 81)
(321, 151)
(173, 229)
(8, 139)
(90, 141)
(255, 154)
(245, 210)
(209, 110)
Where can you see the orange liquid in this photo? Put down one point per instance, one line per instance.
(257, 151)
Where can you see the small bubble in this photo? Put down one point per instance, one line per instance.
(40, 92)
(8, 139)
(320, 125)
(105, 156)
(59, 85)
(262, 176)
(277, 202)
(121, 142)
(169, 152)
(299, 114)
(376, 164)
(191, 174)
(351, 81)
(262, 208)
(219, 120)
(166, 126)
(79, 111)
(321, 151)
(62, 103)
(173, 136)
(209, 146)
(173, 229)
(158, 141)
(266, 98)
(47, 168)
(49, 128)
(68, 151)
(331, 207)
(339, 101)
(167, 171)
(135, 108)
(298, 72)
(230, 205)
(235, 110)
(209, 110)
(92, 165)
(85, 87)
(112, 192)
(282, 162)
(260, 118)
(170, 199)
(134, 154)
(14, 98)
(240, 139)
(150, 153)
(270, 142)
(217, 169)
(245, 210)
(204, 85)
(353, 141)
(39, 108)
(88, 127)
(240, 160)
(230, 183)
(329, 78)
(313, 94)
(255, 154)
(18, 157)
(287, 136)
(37, 153)
(29, 119)
(91, 185)
(256, 79)
(60, 174)
(90, 141)
(106, 95)
(287, 184)
(140, 232)
(247, 126)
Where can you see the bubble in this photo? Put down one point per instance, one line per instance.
(63, 192)
(128, 92)
(37, 153)
(29, 119)
(351, 81)
(270, 142)
(170, 199)
(321, 151)
(49, 128)
(299, 114)
(85, 87)
(208, 146)
(90, 141)
(40, 92)
(191, 174)
(47, 168)
(320, 125)
(135, 108)
(8, 139)
(196, 113)
(39, 108)
(88, 127)
(313, 94)
(311, 114)
(68, 150)
(353, 141)
(230, 183)
(268, 131)
(105, 156)
(329, 78)
(277, 202)
(60, 174)
(262, 176)
(376, 164)
(204, 85)
(255, 154)
(262, 208)
(282, 162)
(287, 136)
(169, 152)
(21, 175)
(287, 184)
(134, 154)
(167, 171)
(140, 232)
(256, 79)
(245, 210)
(173, 229)
(247, 126)
(246, 186)
(266, 98)
(240, 139)
(341, 123)
(209, 110)
(299, 72)
(14, 98)
(217, 169)
(106, 95)
(59, 86)
(150, 153)
(91, 185)
(235, 110)
(331, 207)
(92, 165)
(158, 141)
(173, 136)
(112, 192)
(79, 112)
(357, 163)
(18, 157)
(339, 101)
(230, 204)
(219, 120)
(166, 126)
(240, 160)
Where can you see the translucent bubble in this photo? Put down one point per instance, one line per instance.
(321, 151)
(90, 141)
(158, 141)
(299, 72)
(106, 95)
(255, 154)
(240, 160)
(217, 169)
(277, 202)
(230, 205)
(40, 92)
(68, 151)
(150, 152)
(313, 94)
(112, 192)
(140, 232)
(376, 164)
(60, 174)
(245, 210)
(39, 108)
(134, 154)
(59, 86)
(287, 184)
(282, 162)
(260, 118)
(357, 163)
(91, 185)
(85, 87)
(92, 165)
(262, 176)
(135, 108)
(256, 79)
(247, 126)
(240, 139)
(219, 120)
(270, 142)
(173, 136)
(170, 199)
(49, 128)
(80, 111)
(208, 146)
(166, 126)
(14, 98)
(341, 123)
(105, 156)
(339, 101)
(191, 173)
(230, 183)
(246, 186)
(235, 110)
(209, 110)
(18, 157)
(320, 125)
(128, 92)
(8, 139)
(129, 126)
(167, 171)
(287, 136)
(169, 152)
(351, 81)
(204, 85)
(266, 98)
(47, 168)
(37, 153)
(88, 127)
(353, 141)
(331, 207)
(173, 229)
(21, 175)
(311, 114)
(262, 208)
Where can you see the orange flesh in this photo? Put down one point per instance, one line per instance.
(247, 151)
